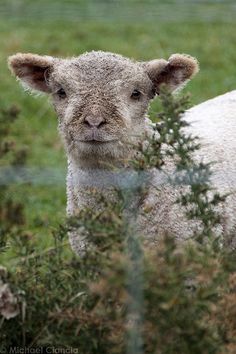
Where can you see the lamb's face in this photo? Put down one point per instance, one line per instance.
(101, 98)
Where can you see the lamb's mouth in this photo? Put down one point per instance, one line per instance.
(97, 142)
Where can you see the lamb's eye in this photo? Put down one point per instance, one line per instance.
(61, 93)
(136, 94)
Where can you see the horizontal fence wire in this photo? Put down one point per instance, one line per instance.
(46, 176)
(130, 10)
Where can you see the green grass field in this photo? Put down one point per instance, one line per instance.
(213, 42)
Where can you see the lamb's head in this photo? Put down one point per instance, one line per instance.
(101, 98)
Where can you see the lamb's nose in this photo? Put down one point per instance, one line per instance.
(94, 122)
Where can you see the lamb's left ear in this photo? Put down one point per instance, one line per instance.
(32, 70)
(174, 73)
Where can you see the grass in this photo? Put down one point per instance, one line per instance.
(213, 43)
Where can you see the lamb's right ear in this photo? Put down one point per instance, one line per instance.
(32, 70)
(174, 73)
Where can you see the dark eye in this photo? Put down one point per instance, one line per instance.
(136, 94)
(61, 93)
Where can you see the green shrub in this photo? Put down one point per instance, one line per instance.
(11, 212)
(121, 296)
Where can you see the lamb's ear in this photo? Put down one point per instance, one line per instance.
(32, 70)
(174, 73)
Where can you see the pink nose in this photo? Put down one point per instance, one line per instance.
(94, 122)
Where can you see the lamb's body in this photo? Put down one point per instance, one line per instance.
(214, 121)
(101, 100)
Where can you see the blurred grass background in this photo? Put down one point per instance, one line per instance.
(140, 29)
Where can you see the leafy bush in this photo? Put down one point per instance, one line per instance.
(121, 296)
(11, 213)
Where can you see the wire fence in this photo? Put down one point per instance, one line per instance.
(105, 11)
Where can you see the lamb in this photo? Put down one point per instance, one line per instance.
(101, 100)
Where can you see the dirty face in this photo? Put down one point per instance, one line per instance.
(101, 98)
(101, 101)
